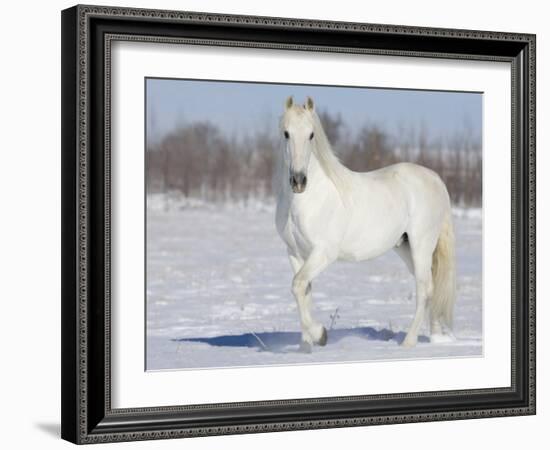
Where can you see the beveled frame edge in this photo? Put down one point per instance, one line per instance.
(76, 219)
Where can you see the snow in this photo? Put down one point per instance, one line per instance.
(218, 293)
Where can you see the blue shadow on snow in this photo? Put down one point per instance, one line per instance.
(277, 340)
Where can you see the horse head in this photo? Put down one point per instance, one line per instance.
(297, 126)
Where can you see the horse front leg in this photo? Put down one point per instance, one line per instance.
(312, 331)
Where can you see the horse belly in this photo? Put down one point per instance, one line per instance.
(363, 249)
(369, 236)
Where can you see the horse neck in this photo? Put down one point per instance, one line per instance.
(327, 161)
(315, 170)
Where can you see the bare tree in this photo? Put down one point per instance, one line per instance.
(200, 161)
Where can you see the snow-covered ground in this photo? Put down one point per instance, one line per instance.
(218, 293)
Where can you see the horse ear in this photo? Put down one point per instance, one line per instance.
(310, 106)
(289, 102)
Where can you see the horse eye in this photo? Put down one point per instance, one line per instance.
(286, 134)
(311, 136)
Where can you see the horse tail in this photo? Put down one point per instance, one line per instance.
(444, 274)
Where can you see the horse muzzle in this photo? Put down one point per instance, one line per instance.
(298, 182)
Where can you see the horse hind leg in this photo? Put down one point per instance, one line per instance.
(403, 249)
(439, 335)
(435, 326)
(422, 261)
(404, 252)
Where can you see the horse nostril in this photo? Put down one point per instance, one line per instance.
(298, 180)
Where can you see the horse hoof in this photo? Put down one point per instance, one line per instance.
(442, 338)
(324, 338)
(408, 343)
(305, 347)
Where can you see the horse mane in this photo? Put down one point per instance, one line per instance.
(329, 162)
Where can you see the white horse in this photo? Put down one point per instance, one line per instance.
(326, 212)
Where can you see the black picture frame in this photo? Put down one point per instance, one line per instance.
(87, 415)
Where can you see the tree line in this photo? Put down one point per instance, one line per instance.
(200, 161)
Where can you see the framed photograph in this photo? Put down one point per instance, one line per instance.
(278, 224)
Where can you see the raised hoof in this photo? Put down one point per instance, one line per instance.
(324, 338)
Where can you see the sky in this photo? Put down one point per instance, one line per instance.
(241, 108)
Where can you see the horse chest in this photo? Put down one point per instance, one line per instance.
(296, 229)
(299, 235)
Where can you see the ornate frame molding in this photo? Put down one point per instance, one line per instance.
(84, 421)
